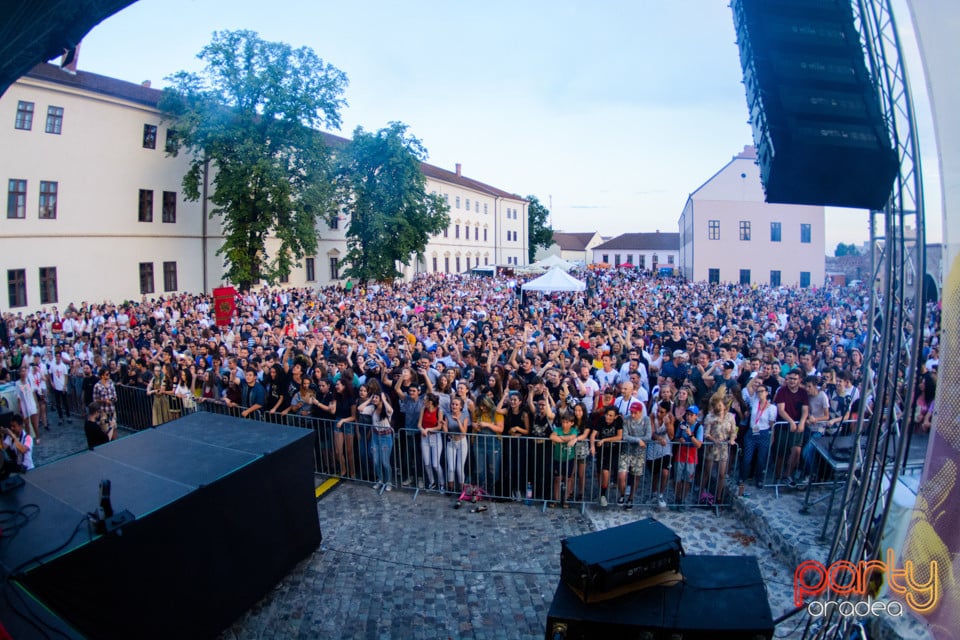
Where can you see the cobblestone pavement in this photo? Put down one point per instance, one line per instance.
(394, 567)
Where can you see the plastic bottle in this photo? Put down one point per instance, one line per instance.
(529, 499)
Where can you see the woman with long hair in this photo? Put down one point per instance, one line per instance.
(456, 428)
(581, 422)
(488, 425)
(343, 430)
(432, 423)
(720, 430)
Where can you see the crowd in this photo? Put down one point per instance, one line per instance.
(638, 375)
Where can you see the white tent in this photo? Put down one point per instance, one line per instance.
(555, 280)
(553, 261)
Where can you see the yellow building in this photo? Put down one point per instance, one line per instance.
(95, 209)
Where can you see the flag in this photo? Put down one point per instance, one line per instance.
(224, 304)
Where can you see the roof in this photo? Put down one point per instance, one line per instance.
(96, 83)
(147, 96)
(573, 241)
(749, 153)
(655, 240)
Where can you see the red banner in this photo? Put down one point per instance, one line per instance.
(224, 304)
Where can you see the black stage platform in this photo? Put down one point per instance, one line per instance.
(224, 509)
(719, 598)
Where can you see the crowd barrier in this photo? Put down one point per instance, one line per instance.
(510, 468)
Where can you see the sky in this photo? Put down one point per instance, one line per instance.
(610, 112)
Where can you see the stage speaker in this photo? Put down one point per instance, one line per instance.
(820, 134)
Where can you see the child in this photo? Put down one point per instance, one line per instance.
(564, 441)
(690, 435)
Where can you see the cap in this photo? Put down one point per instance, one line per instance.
(729, 364)
(679, 353)
(636, 406)
(694, 409)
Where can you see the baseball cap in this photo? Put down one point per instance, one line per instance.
(729, 364)
(636, 406)
(694, 409)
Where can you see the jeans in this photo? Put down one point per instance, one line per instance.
(755, 445)
(381, 450)
(809, 453)
(456, 459)
(486, 461)
(431, 448)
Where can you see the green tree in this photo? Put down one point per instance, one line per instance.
(846, 250)
(254, 113)
(383, 190)
(540, 232)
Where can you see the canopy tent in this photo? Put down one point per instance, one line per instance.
(555, 280)
(553, 261)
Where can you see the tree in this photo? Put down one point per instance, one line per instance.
(383, 190)
(254, 112)
(540, 233)
(846, 250)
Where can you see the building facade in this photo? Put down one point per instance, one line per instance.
(649, 251)
(95, 208)
(572, 247)
(728, 233)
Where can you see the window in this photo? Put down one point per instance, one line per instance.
(805, 278)
(655, 261)
(48, 200)
(642, 261)
(169, 206)
(170, 141)
(446, 198)
(485, 208)
(334, 268)
(714, 276)
(24, 116)
(616, 259)
(446, 264)
(284, 278)
(457, 261)
(775, 232)
(146, 206)
(484, 234)
(446, 232)
(17, 287)
(48, 285)
(805, 233)
(311, 270)
(744, 229)
(713, 230)
(476, 233)
(146, 277)
(54, 119)
(468, 204)
(169, 276)
(434, 264)
(149, 136)
(457, 200)
(334, 222)
(456, 231)
(774, 278)
(744, 276)
(605, 258)
(17, 199)
(468, 263)
(670, 259)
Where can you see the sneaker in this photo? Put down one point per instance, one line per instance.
(803, 482)
(377, 485)
(792, 483)
(551, 505)
(406, 482)
(603, 501)
(661, 503)
(432, 486)
(628, 505)
(419, 483)
(621, 500)
(388, 487)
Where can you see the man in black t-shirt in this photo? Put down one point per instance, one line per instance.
(97, 433)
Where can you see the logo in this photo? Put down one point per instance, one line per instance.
(848, 580)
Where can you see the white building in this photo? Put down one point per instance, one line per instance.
(572, 247)
(95, 208)
(650, 251)
(728, 233)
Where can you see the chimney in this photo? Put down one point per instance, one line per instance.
(458, 168)
(145, 83)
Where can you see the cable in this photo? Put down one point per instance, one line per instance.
(37, 558)
(436, 568)
(26, 606)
